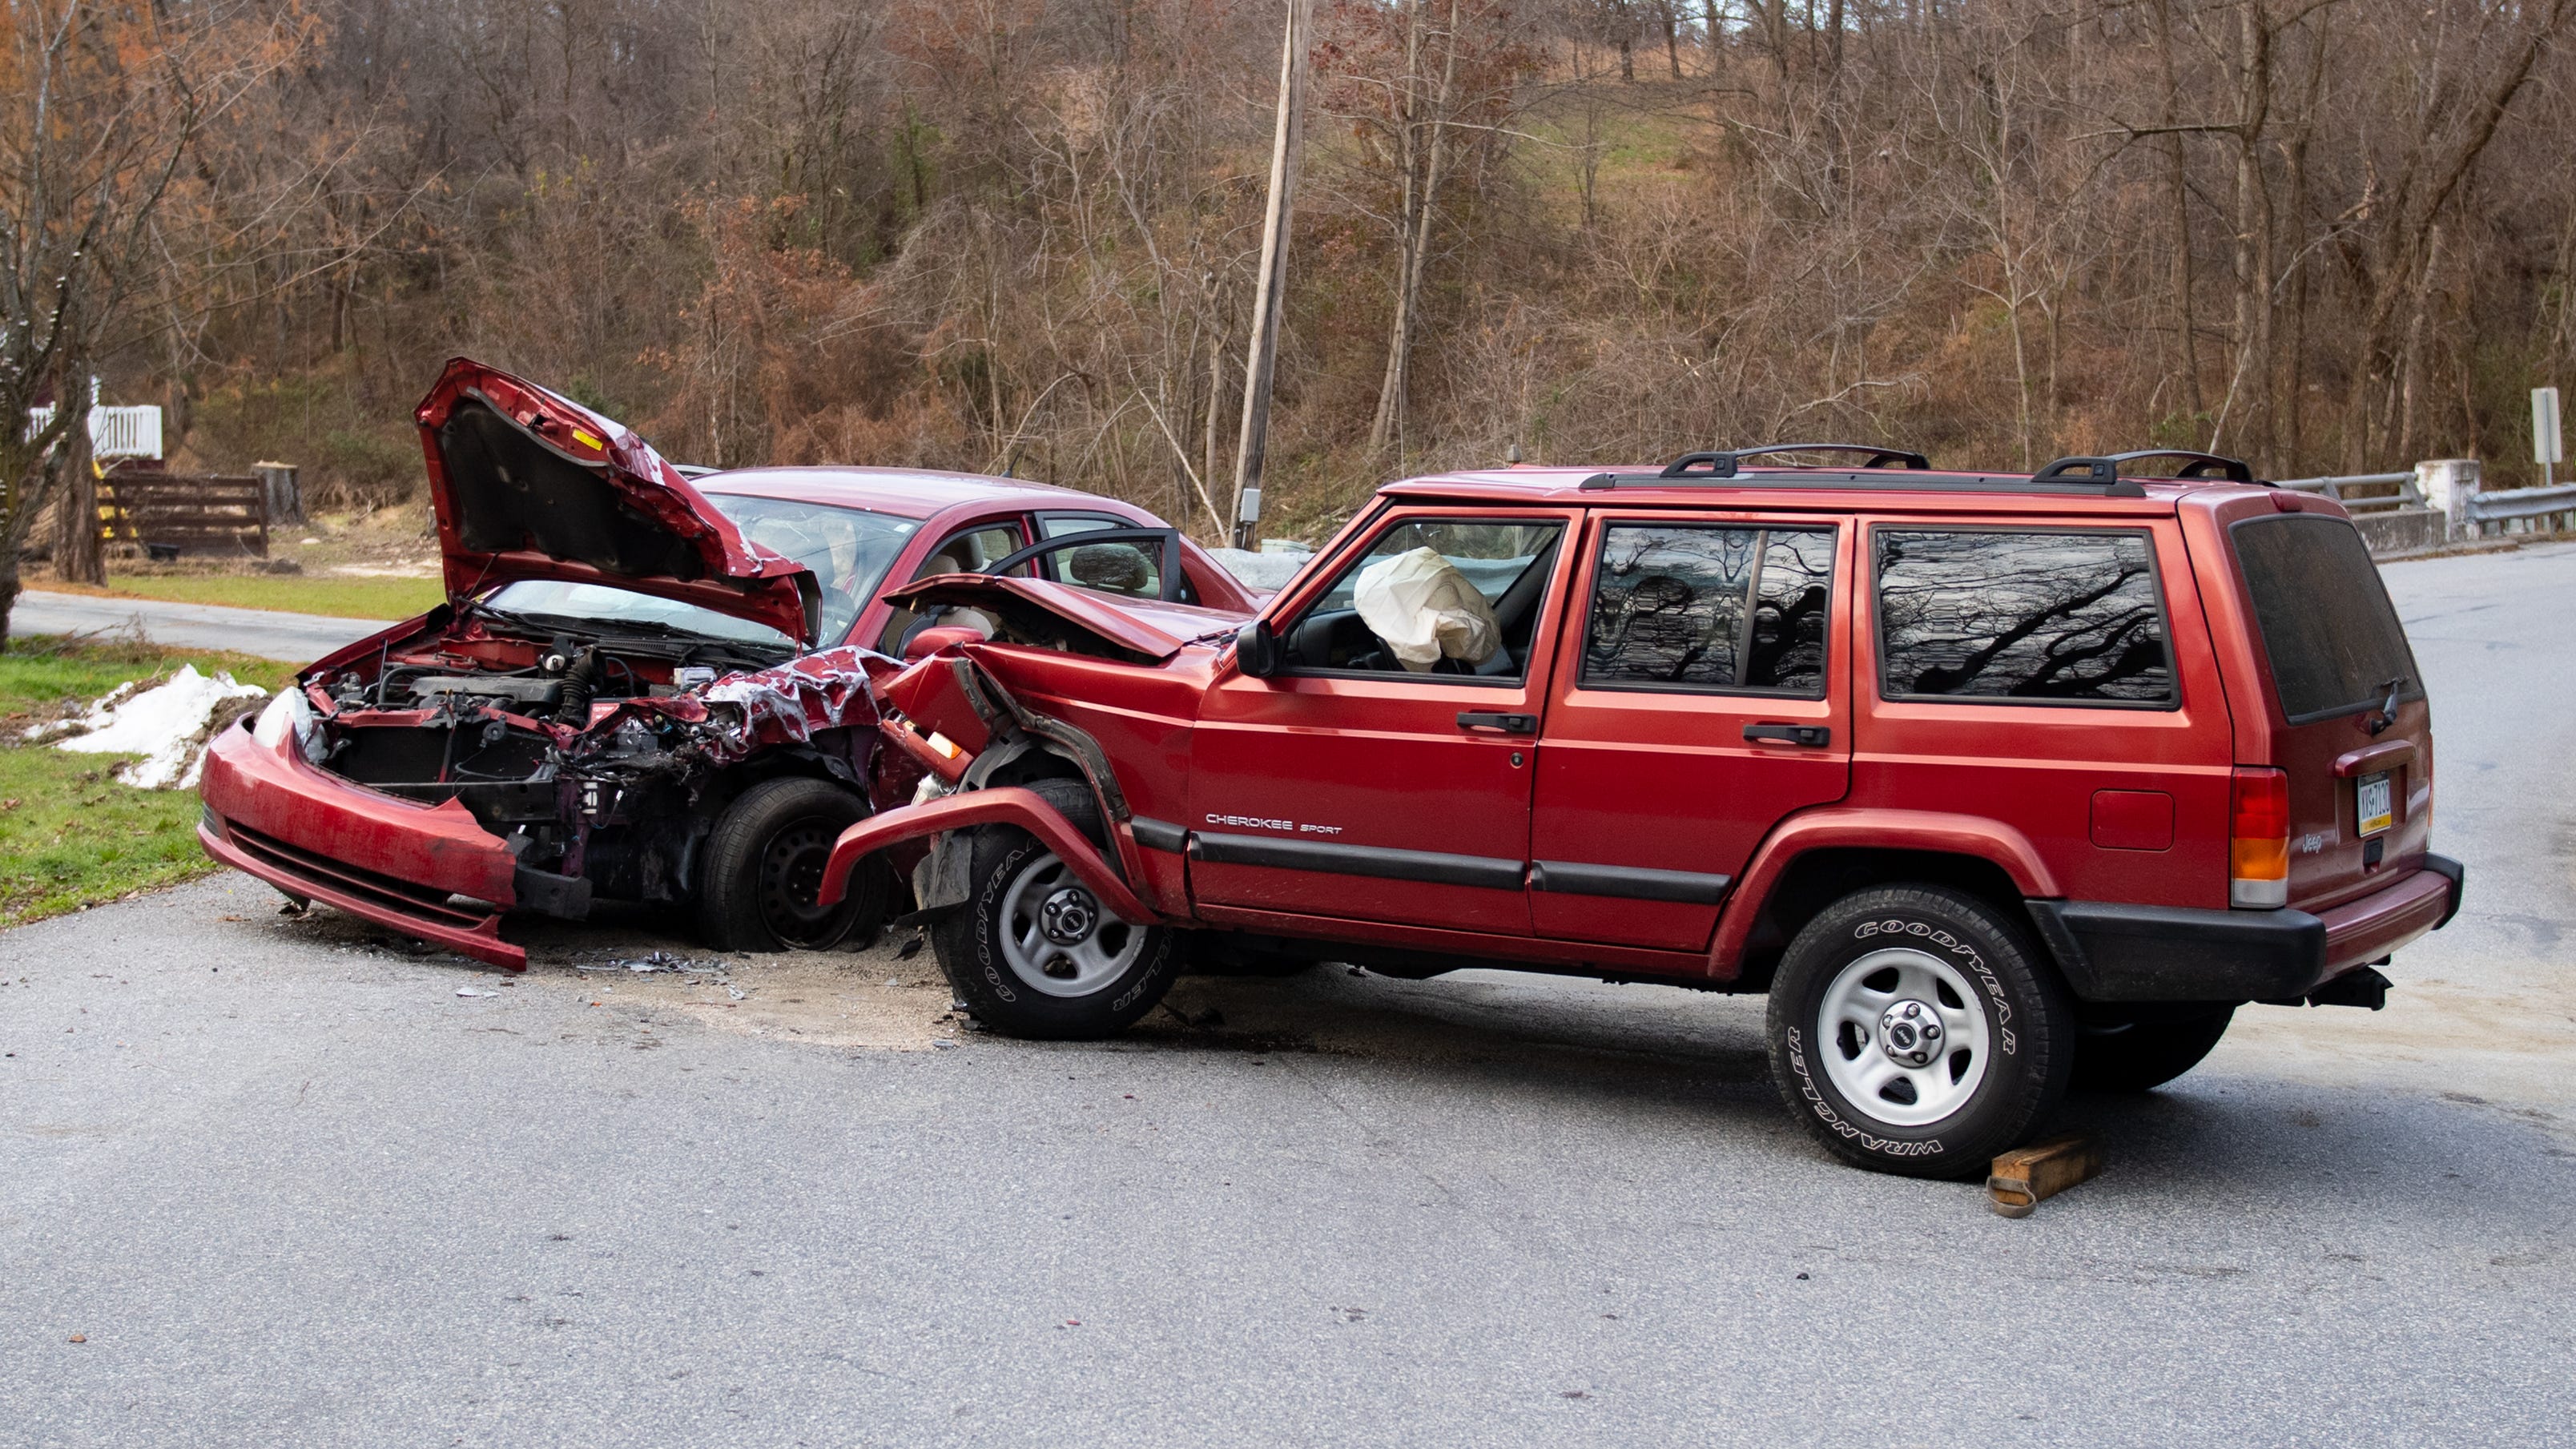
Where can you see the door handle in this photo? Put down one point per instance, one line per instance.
(1812, 736)
(1510, 724)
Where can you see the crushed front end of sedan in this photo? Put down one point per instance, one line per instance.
(615, 702)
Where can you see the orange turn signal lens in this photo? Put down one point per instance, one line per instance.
(2258, 845)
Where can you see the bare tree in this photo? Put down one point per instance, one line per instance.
(98, 106)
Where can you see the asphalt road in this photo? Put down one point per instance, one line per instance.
(291, 1188)
(297, 638)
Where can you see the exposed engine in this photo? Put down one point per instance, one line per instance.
(601, 760)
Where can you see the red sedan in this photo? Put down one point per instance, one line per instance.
(643, 685)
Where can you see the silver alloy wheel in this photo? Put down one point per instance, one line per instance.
(1904, 1036)
(1056, 937)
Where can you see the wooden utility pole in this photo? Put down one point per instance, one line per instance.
(1285, 145)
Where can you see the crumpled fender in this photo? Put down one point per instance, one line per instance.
(1002, 804)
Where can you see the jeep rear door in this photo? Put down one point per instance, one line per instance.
(2348, 724)
(1701, 695)
(2050, 677)
(1347, 786)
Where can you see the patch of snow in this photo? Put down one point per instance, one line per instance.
(166, 724)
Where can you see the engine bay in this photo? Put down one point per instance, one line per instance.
(596, 756)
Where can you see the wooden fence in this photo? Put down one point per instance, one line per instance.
(176, 515)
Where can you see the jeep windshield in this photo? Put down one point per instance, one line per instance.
(849, 550)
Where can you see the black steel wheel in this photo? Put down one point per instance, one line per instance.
(764, 869)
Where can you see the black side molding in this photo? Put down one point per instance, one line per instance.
(2113, 952)
(1628, 882)
(1431, 866)
(2458, 875)
(1159, 835)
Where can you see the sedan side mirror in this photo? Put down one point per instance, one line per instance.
(1256, 649)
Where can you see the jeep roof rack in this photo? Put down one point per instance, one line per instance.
(2107, 467)
(2084, 474)
(1722, 464)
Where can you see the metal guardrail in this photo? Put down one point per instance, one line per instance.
(2520, 503)
(2407, 495)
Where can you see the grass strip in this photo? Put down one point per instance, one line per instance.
(70, 835)
(345, 598)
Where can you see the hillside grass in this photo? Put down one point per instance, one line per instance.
(70, 835)
(340, 597)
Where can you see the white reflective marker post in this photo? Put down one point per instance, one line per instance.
(2548, 448)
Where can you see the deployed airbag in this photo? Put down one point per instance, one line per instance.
(1424, 609)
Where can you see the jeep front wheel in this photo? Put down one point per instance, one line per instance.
(1033, 953)
(1914, 1030)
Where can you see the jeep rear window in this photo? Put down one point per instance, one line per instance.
(1679, 606)
(2332, 636)
(2055, 617)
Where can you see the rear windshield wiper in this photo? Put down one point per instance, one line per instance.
(2387, 714)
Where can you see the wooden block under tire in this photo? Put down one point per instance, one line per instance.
(2023, 1176)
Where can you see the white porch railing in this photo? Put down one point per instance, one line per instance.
(114, 432)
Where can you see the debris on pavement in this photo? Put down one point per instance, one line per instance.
(474, 991)
(2025, 1175)
(652, 961)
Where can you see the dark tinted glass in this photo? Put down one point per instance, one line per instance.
(1711, 608)
(2328, 628)
(2040, 616)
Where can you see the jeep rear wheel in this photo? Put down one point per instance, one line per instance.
(1914, 1030)
(2140, 1056)
(1034, 953)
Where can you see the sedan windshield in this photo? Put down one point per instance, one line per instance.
(849, 550)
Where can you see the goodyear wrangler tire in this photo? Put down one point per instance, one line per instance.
(1915, 1030)
(1033, 954)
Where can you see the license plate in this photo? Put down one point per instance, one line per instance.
(2372, 808)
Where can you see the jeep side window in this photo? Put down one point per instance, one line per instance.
(1699, 607)
(2061, 617)
(1505, 562)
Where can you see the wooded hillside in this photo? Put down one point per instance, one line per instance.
(2325, 234)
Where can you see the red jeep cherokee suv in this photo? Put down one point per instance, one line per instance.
(1991, 781)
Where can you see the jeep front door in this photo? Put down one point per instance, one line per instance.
(1364, 780)
(1699, 699)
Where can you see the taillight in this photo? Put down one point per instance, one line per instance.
(2258, 838)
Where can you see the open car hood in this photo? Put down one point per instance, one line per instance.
(529, 485)
(1042, 611)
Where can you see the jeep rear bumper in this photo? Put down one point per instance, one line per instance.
(2112, 952)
